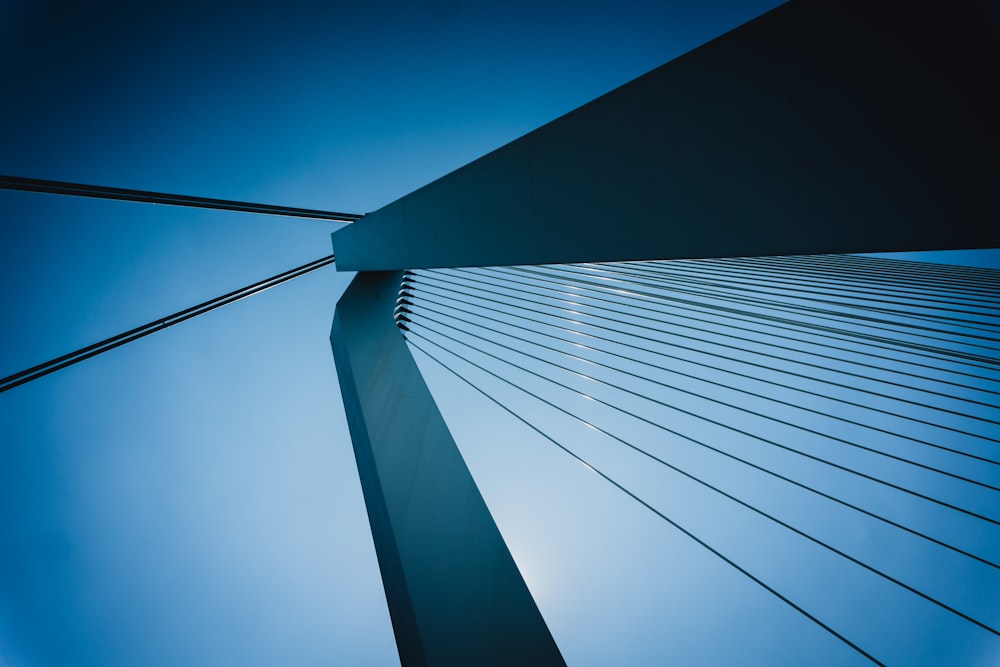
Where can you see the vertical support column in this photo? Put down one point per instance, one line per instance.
(455, 594)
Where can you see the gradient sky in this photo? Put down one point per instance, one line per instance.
(191, 498)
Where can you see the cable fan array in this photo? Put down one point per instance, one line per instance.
(849, 406)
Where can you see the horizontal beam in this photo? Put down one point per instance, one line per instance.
(824, 126)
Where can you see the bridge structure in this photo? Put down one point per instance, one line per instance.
(662, 271)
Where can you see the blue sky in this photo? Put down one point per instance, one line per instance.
(191, 498)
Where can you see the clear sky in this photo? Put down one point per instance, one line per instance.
(192, 498)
